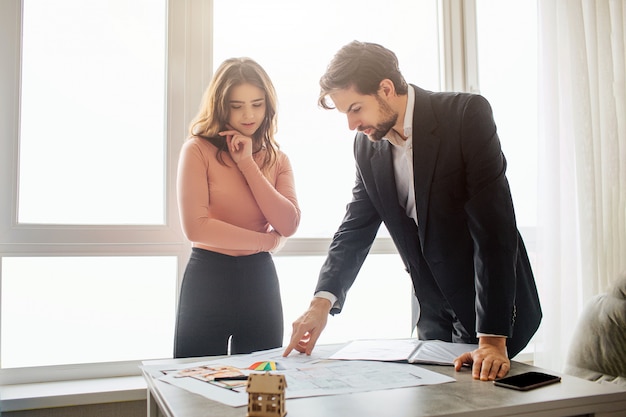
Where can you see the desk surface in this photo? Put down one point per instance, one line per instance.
(466, 397)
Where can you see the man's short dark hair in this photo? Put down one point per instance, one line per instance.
(361, 65)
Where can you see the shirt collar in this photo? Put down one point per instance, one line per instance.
(408, 115)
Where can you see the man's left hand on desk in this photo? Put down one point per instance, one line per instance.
(489, 361)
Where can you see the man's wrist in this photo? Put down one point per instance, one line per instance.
(321, 303)
(497, 341)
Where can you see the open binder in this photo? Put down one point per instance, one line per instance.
(400, 350)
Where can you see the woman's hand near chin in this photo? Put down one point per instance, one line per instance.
(239, 146)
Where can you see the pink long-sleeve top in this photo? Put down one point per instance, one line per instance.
(234, 209)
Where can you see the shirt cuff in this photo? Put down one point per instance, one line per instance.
(328, 296)
(489, 335)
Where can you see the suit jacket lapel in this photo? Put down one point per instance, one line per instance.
(425, 150)
(392, 212)
(382, 167)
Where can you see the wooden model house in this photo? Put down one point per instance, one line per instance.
(266, 395)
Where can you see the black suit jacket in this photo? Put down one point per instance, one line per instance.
(467, 241)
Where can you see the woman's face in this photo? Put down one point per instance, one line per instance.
(246, 106)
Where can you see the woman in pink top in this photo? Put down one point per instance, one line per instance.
(237, 203)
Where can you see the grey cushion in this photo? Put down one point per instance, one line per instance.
(598, 348)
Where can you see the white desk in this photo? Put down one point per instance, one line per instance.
(466, 397)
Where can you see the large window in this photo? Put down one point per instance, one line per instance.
(91, 152)
(90, 246)
(95, 99)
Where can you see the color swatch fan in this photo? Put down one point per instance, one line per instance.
(265, 366)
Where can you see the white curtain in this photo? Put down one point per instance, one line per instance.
(582, 163)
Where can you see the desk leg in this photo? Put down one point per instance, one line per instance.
(153, 408)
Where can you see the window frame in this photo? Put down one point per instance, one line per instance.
(189, 64)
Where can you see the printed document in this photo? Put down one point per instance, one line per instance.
(404, 350)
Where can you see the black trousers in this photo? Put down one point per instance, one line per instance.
(228, 296)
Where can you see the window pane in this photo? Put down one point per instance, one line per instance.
(66, 310)
(294, 42)
(507, 60)
(367, 313)
(92, 112)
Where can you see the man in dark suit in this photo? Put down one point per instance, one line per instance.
(430, 166)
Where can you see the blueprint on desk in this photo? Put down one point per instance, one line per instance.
(307, 376)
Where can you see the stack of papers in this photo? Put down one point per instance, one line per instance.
(404, 350)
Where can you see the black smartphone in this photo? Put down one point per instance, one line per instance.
(527, 381)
